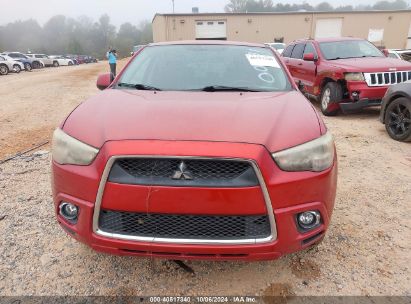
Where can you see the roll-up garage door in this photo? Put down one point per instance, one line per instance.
(327, 28)
(211, 29)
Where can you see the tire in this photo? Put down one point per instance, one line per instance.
(398, 119)
(17, 68)
(331, 95)
(28, 67)
(36, 65)
(70, 63)
(4, 69)
(56, 64)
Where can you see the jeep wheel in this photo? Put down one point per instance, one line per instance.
(398, 119)
(28, 67)
(56, 64)
(16, 68)
(4, 70)
(331, 95)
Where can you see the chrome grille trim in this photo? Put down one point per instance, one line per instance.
(380, 79)
(102, 185)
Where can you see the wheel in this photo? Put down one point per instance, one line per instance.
(16, 68)
(27, 66)
(4, 70)
(331, 94)
(398, 119)
(36, 65)
(56, 64)
(70, 63)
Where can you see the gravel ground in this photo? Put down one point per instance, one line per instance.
(366, 250)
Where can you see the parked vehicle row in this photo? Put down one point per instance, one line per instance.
(16, 61)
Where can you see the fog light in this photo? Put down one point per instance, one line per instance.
(355, 96)
(69, 211)
(309, 219)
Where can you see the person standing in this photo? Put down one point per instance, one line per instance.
(112, 60)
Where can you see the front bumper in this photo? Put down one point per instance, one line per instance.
(348, 107)
(365, 96)
(289, 193)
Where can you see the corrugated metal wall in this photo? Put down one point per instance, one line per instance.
(266, 27)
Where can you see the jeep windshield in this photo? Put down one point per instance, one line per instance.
(349, 49)
(209, 68)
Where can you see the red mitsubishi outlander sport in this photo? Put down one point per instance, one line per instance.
(197, 150)
(344, 73)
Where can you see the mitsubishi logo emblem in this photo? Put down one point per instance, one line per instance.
(182, 173)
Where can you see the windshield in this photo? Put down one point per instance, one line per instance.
(201, 67)
(349, 49)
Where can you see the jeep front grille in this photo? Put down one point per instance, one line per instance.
(204, 227)
(183, 172)
(386, 78)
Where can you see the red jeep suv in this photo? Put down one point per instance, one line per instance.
(197, 150)
(343, 73)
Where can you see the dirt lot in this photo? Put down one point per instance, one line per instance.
(366, 251)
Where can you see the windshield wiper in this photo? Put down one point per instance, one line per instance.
(138, 86)
(363, 56)
(216, 88)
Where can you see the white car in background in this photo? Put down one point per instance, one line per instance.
(45, 59)
(61, 60)
(277, 46)
(400, 54)
(8, 64)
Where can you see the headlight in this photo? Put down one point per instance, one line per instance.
(316, 155)
(67, 150)
(354, 77)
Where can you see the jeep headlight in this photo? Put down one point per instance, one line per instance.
(67, 150)
(354, 77)
(317, 155)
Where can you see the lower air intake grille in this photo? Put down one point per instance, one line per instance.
(185, 226)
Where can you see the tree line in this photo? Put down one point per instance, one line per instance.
(250, 6)
(64, 35)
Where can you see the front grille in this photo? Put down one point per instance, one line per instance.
(386, 78)
(183, 172)
(185, 226)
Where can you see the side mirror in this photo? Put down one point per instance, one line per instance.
(103, 81)
(386, 52)
(310, 57)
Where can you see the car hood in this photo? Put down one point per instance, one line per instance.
(275, 120)
(373, 64)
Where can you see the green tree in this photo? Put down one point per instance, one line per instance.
(236, 6)
(127, 36)
(324, 7)
(390, 5)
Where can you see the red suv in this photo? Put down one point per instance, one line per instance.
(197, 150)
(343, 73)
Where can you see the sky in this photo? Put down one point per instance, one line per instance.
(120, 11)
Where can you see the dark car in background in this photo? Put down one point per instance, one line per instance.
(81, 59)
(396, 111)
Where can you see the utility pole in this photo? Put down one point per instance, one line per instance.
(173, 6)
